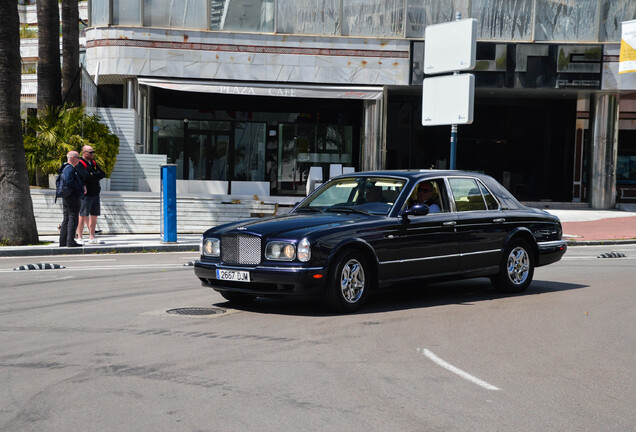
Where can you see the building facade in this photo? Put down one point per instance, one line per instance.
(262, 91)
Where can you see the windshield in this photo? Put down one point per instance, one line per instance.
(371, 195)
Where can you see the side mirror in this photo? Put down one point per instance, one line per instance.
(416, 210)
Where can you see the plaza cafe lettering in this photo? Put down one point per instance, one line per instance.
(290, 92)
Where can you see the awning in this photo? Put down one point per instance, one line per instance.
(261, 89)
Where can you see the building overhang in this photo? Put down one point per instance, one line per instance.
(266, 89)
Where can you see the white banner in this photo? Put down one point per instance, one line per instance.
(627, 62)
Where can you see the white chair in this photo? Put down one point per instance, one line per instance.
(314, 179)
(335, 170)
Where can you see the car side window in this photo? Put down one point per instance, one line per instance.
(467, 194)
(491, 202)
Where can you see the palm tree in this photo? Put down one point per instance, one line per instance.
(17, 224)
(52, 134)
(71, 94)
(49, 74)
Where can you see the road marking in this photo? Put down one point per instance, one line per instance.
(428, 354)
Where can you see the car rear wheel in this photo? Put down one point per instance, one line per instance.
(516, 268)
(238, 298)
(348, 282)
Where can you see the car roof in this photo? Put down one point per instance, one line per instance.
(418, 173)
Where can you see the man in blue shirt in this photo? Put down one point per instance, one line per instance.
(71, 204)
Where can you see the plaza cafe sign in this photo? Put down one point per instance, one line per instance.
(257, 89)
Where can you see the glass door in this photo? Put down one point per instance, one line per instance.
(206, 156)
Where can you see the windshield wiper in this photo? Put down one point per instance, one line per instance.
(347, 209)
(309, 209)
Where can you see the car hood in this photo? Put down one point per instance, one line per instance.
(292, 225)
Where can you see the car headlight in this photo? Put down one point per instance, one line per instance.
(211, 247)
(280, 251)
(304, 250)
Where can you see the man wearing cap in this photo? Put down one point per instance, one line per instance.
(91, 174)
(71, 203)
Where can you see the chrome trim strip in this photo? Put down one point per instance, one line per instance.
(229, 267)
(551, 243)
(440, 257)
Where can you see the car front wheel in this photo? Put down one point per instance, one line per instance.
(348, 282)
(516, 268)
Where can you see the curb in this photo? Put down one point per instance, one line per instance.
(599, 242)
(98, 250)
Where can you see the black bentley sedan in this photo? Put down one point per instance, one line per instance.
(366, 231)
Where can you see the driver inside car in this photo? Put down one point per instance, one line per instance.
(427, 194)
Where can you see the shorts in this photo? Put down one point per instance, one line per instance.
(90, 206)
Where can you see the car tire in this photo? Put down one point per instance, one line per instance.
(238, 298)
(516, 269)
(348, 283)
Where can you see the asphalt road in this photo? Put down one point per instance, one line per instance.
(91, 348)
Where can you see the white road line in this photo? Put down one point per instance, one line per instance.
(428, 354)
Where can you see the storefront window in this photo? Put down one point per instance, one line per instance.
(303, 146)
(503, 19)
(626, 162)
(249, 151)
(320, 17)
(167, 138)
(373, 18)
(242, 15)
(564, 20)
(190, 14)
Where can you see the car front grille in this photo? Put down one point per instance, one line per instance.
(241, 249)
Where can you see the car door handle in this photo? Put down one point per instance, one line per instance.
(499, 220)
(450, 223)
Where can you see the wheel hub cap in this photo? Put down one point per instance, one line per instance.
(352, 281)
(518, 265)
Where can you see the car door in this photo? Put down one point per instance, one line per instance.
(481, 224)
(429, 244)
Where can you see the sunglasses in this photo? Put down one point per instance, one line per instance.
(424, 190)
(91, 152)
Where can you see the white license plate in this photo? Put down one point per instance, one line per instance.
(233, 275)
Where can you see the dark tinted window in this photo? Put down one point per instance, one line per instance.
(491, 202)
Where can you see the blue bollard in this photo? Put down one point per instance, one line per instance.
(169, 203)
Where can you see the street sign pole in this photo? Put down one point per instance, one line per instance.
(453, 146)
(453, 137)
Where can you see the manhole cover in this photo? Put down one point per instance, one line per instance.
(195, 311)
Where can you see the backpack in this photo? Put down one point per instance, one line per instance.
(62, 190)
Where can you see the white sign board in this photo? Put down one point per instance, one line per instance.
(450, 46)
(448, 100)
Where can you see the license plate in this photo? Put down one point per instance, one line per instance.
(233, 275)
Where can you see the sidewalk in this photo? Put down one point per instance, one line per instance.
(597, 226)
(580, 227)
(119, 243)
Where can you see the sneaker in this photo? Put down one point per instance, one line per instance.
(94, 241)
(98, 231)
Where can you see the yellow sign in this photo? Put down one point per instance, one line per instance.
(627, 61)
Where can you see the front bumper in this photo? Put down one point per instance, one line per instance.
(551, 252)
(265, 280)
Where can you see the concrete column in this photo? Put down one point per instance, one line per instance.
(604, 149)
(130, 94)
(372, 152)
